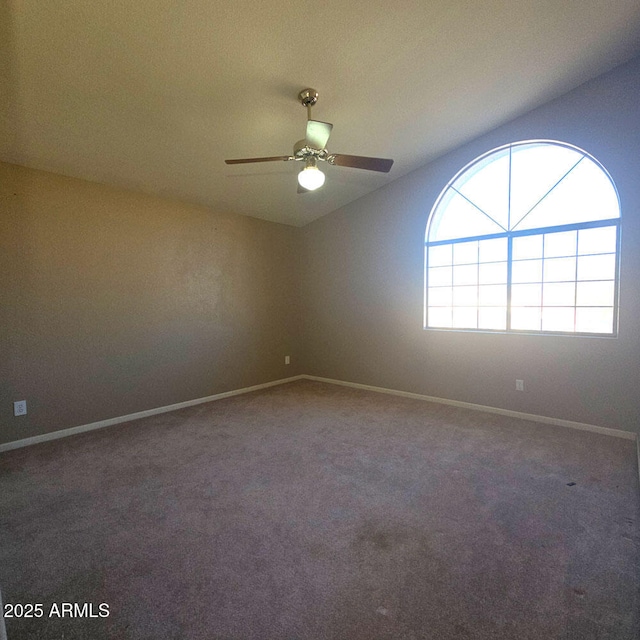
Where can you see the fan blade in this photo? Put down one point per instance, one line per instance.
(361, 162)
(301, 189)
(272, 159)
(318, 134)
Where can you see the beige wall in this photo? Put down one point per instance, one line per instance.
(114, 302)
(362, 285)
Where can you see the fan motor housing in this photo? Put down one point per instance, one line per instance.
(301, 151)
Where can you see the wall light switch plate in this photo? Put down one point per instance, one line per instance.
(519, 385)
(20, 408)
(287, 360)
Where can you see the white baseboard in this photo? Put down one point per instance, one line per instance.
(618, 433)
(63, 433)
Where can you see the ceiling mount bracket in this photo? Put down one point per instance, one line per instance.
(308, 97)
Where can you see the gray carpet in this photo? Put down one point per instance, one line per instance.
(316, 511)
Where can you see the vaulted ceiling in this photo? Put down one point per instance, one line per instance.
(153, 95)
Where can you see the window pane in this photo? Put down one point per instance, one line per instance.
(526, 295)
(585, 194)
(455, 217)
(494, 250)
(525, 318)
(439, 276)
(535, 168)
(527, 247)
(492, 318)
(486, 184)
(527, 271)
(558, 319)
(597, 267)
(465, 296)
(559, 295)
(465, 253)
(440, 255)
(595, 294)
(596, 320)
(559, 269)
(601, 240)
(440, 296)
(465, 317)
(560, 244)
(439, 317)
(493, 273)
(465, 274)
(492, 295)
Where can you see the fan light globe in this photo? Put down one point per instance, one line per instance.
(311, 178)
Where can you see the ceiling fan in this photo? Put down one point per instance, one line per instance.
(311, 150)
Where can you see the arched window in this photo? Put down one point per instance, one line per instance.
(525, 238)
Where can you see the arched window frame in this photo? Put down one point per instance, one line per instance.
(510, 235)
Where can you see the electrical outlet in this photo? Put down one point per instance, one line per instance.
(20, 408)
(519, 385)
(287, 360)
